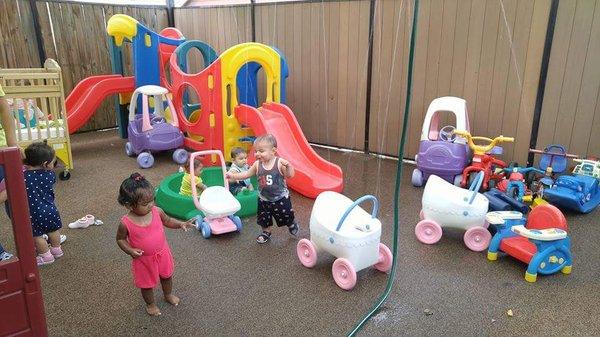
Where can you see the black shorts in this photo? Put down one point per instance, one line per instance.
(281, 210)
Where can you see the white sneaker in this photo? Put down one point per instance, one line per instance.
(63, 238)
(5, 256)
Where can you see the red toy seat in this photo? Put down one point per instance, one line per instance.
(541, 217)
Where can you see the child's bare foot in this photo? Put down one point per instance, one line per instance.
(152, 310)
(172, 299)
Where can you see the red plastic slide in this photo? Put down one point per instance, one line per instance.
(89, 93)
(313, 173)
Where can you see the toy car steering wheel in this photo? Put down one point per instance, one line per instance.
(447, 134)
(157, 120)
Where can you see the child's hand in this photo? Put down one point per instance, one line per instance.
(191, 223)
(228, 175)
(136, 252)
(284, 163)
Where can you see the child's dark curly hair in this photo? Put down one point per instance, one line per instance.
(36, 154)
(135, 189)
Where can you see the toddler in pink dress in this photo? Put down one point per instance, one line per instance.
(141, 235)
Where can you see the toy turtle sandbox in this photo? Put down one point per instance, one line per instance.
(182, 207)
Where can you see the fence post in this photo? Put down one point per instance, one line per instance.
(539, 100)
(38, 32)
(369, 74)
(170, 13)
(253, 19)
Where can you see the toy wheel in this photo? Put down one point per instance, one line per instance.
(385, 259)
(513, 192)
(457, 180)
(129, 149)
(180, 156)
(64, 175)
(145, 160)
(477, 239)
(205, 229)
(417, 178)
(421, 215)
(344, 274)
(428, 232)
(237, 221)
(307, 253)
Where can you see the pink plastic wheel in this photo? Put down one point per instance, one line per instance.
(344, 274)
(385, 259)
(307, 253)
(428, 231)
(421, 215)
(477, 239)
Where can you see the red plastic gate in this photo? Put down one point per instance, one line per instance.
(21, 304)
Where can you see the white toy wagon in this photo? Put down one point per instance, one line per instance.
(349, 233)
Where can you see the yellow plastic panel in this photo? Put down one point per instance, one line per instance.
(232, 61)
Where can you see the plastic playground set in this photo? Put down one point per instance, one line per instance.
(499, 196)
(500, 207)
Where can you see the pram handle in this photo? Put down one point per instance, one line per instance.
(356, 203)
(193, 176)
(476, 185)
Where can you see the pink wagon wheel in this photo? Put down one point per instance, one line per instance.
(344, 273)
(428, 231)
(385, 259)
(477, 239)
(307, 253)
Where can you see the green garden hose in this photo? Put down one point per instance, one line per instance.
(391, 277)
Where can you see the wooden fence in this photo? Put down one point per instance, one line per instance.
(571, 109)
(487, 51)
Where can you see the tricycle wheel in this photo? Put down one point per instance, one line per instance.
(180, 156)
(344, 273)
(477, 239)
(385, 259)
(64, 175)
(145, 160)
(428, 231)
(417, 178)
(513, 192)
(307, 253)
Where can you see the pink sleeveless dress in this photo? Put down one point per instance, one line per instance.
(157, 261)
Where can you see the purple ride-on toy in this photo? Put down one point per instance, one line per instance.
(152, 132)
(441, 152)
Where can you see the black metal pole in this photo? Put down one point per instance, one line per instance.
(253, 18)
(170, 13)
(38, 32)
(369, 74)
(539, 100)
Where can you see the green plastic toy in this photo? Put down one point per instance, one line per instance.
(182, 207)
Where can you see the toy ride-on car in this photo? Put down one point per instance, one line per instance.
(446, 205)
(150, 132)
(483, 161)
(440, 152)
(340, 228)
(216, 202)
(580, 193)
(540, 241)
(587, 167)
